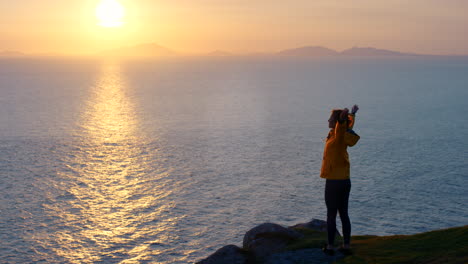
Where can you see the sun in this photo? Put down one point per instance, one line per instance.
(110, 13)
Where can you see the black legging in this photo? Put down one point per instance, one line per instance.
(336, 198)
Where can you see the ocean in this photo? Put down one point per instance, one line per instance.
(167, 160)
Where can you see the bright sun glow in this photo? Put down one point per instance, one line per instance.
(110, 13)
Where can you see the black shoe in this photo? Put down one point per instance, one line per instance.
(345, 251)
(328, 252)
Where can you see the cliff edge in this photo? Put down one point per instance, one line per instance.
(274, 244)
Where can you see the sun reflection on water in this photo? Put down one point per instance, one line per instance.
(109, 195)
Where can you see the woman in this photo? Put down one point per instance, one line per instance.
(335, 168)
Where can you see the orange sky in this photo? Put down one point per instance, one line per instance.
(422, 26)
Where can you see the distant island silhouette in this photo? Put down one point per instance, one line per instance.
(156, 50)
(11, 53)
(220, 53)
(309, 51)
(317, 51)
(356, 51)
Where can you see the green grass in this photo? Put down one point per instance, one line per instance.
(448, 246)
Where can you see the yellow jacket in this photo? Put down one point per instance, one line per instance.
(335, 164)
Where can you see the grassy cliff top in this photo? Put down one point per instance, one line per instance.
(448, 246)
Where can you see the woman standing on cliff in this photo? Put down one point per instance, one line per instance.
(335, 169)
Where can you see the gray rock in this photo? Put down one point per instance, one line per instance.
(268, 238)
(269, 230)
(303, 256)
(315, 224)
(267, 243)
(228, 254)
(264, 247)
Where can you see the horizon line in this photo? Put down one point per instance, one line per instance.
(213, 52)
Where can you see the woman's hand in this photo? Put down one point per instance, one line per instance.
(354, 109)
(344, 115)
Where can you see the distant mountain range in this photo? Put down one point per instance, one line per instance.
(18, 54)
(309, 51)
(317, 51)
(373, 52)
(155, 50)
(11, 53)
(220, 53)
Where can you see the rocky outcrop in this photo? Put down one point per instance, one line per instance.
(228, 254)
(309, 256)
(267, 243)
(267, 239)
(315, 224)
